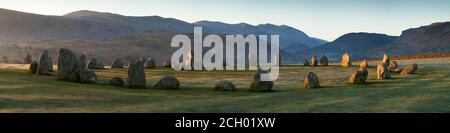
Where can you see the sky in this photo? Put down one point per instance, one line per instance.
(325, 19)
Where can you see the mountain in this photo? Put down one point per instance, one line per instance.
(357, 44)
(20, 27)
(434, 38)
(291, 39)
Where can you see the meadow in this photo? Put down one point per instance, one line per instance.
(426, 91)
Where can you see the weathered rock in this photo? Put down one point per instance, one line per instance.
(136, 74)
(306, 62)
(260, 86)
(359, 77)
(364, 64)
(43, 64)
(324, 60)
(34, 66)
(346, 61)
(166, 64)
(68, 65)
(28, 59)
(311, 81)
(168, 82)
(224, 86)
(383, 71)
(117, 81)
(50, 64)
(393, 65)
(410, 69)
(92, 64)
(88, 76)
(314, 61)
(150, 63)
(386, 60)
(117, 63)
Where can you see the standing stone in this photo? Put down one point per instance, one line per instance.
(28, 59)
(311, 81)
(386, 60)
(117, 63)
(43, 64)
(359, 77)
(33, 67)
(383, 71)
(225, 86)
(393, 65)
(117, 81)
(411, 68)
(346, 61)
(68, 65)
(324, 60)
(88, 76)
(92, 64)
(168, 83)
(50, 64)
(364, 64)
(314, 61)
(136, 74)
(306, 62)
(5, 59)
(260, 86)
(150, 63)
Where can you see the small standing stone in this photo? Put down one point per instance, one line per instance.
(306, 62)
(386, 60)
(260, 86)
(136, 74)
(225, 86)
(383, 71)
(92, 64)
(117, 63)
(314, 61)
(411, 68)
(43, 64)
(324, 60)
(359, 77)
(346, 61)
(311, 81)
(150, 63)
(168, 83)
(33, 67)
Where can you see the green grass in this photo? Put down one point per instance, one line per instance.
(426, 91)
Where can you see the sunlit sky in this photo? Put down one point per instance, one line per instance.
(325, 19)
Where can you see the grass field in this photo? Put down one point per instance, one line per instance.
(426, 91)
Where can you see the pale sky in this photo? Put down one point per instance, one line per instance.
(325, 19)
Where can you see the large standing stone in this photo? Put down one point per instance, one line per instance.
(311, 81)
(136, 74)
(28, 59)
(168, 82)
(411, 68)
(386, 60)
(68, 65)
(324, 60)
(117, 81)
(359, 77)
(314, 61)
(383, 71)
(150, 63)
(346, 61)
(364, 64)
(224, 86)
(306, 62)
(50, 64)
(117, 63)
(43, 64)
(260, 86)
(92, 64)
(34, 66)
